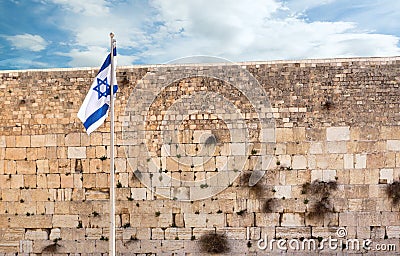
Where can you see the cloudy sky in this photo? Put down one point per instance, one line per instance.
(75, 33)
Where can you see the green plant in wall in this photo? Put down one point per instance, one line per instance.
(393, 192)
(214, 243)
(320, 192)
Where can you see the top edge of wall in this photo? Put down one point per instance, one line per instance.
(380, 60)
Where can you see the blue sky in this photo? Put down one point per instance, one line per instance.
(75, 33)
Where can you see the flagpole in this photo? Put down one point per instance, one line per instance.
(112, 179)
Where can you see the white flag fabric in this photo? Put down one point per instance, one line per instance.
(94, 109)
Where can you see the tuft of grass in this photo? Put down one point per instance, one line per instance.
(213, 243)
(119, 185)
(393, 192)
(103, 238)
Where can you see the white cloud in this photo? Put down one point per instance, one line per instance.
(23, 63)
(28, 42)
(87, 7)
(94, 57)
(158, 31)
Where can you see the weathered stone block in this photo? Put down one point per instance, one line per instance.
(38, 141)
(299, 162)
(15, 153)
(338, 133)
(36, 235)
(336, 147)
(393, 145)
(23, 141)
(73, 139)
(77, 152)
(386, 176)
(53, 181)
(360, 161)
(26, 167)
(61, 221)
(292, 219)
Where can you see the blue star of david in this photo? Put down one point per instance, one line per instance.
(97, 88)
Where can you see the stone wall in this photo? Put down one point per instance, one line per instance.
(326, 133)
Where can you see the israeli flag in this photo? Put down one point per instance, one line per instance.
(94, 109)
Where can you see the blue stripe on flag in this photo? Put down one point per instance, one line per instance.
(107, 62)
(96, 116)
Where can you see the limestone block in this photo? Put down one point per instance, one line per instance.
(100, 151)
(17, 181)
(267, 135)
(96, 138)
(38, 141)
(36, 235)
(102, 180)
(316, 148)
(23, 141)
(299, 162)
(2, 141)
(30, 181)
(348, 161)
(328, 175)
(26, 167)
(363, 232)
(283, 191)
(338, 133)
(195, 220)
(10, 141)
(53, 181)
(120, 165)
(360, 161)
(215, 220)
(67, 181)
(138, 193)
(336, 147)
(158, 234)
(73, 139)
(61, 221)
(322, 161)
(386, 176)
(393, 231)
(357, 177)
(50, 140)
(393, 145)
(10, 195)
(238, 149)
(15, 153)
(33, 221)
(316, 175)
(390, 159)
(77, 152)
(26, 246)
(293, 232)
(285, 161)
(284, 135)
(369, 219)
(375, 160)
(267, 219)
(347, 219)
(292, 219)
